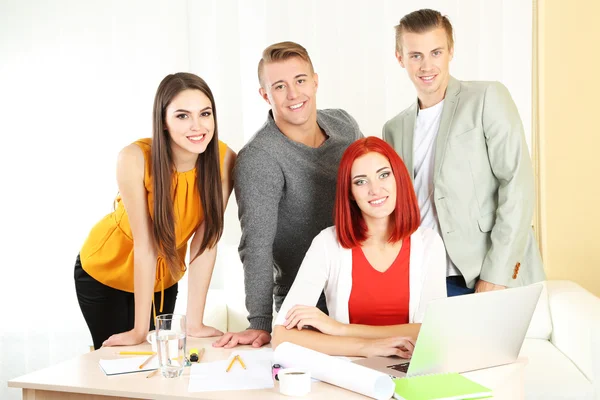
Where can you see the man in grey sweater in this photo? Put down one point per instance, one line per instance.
(285, 179)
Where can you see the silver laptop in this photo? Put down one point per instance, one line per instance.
(466, 333)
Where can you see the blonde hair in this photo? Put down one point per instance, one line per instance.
(281, 52)
(423, 21)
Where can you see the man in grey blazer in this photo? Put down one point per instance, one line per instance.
(464, 145)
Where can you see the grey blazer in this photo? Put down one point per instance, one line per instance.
(483, 183)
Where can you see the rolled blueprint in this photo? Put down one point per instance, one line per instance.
(337, 372)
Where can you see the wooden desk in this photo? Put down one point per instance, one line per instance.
(82, 378)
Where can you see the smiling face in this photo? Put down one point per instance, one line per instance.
(290, 87)
(373, 186)
(426, 57)
(190, 122)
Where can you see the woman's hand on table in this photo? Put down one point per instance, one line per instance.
(129, 338)
(203, 331)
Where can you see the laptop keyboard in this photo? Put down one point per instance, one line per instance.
(400, 367)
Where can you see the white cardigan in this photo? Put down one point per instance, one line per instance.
(327, 265)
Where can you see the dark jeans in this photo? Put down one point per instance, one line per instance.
(108, 311)
(456, 286)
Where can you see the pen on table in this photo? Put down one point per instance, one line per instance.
(147, 361)
(151, 374)
(239, 359)
(241, 362)
(136, 353)
(231, 363)
(200, 354)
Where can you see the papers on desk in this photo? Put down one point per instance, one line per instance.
(127, 365)
(211, 376)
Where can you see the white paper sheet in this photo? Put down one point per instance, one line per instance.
(127, 365)
(211, 376)
(335, 371)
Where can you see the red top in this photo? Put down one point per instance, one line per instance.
(380, 298)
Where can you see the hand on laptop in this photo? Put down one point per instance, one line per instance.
(255, 337)
(305, 316)
(393, 346)
(485, 286)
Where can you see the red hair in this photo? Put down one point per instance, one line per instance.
(350, 225)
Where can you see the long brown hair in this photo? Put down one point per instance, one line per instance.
(208, 173)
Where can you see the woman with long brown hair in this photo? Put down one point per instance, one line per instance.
(172, 186)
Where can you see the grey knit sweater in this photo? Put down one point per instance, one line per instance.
(285, 193)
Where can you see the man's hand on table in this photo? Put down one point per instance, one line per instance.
(255, 337)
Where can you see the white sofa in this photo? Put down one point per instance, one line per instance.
(562, 344)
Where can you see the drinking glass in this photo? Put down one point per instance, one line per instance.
(170, 337)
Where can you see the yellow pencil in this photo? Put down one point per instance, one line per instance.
(147, 361)
(231, 363)
(136, 353)
(151, 374)
(241, 362)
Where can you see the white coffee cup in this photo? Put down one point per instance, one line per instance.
(151, 338)
(294, 382)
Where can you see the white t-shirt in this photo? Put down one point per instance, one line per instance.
(426, 131)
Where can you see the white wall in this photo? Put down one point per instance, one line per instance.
(77, 81)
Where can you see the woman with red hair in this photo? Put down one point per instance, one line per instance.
(377, 267)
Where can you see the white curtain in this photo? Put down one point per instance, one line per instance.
(77, 81)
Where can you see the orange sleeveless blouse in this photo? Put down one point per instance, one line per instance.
(107, 254)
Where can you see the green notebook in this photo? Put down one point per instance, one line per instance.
(439, 387)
